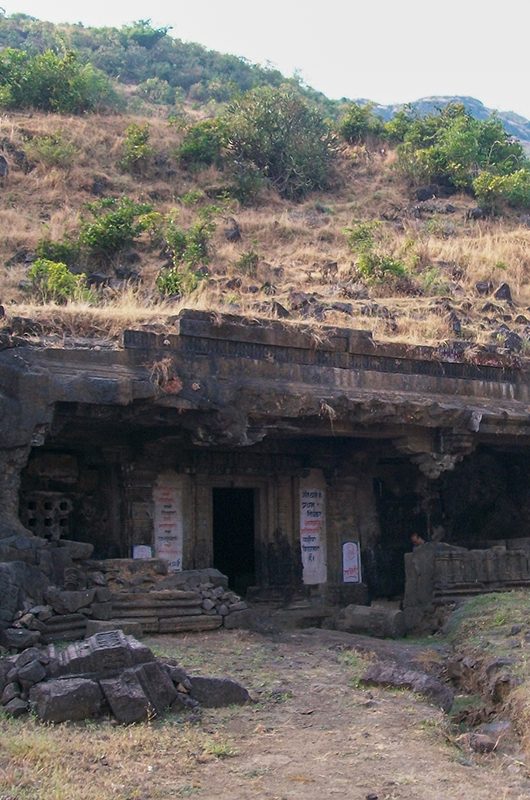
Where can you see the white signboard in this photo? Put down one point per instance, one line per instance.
(167, 497)
(351, 562)
(313, 532)
(142, 551)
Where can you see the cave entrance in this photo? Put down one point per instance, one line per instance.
(234, 536)
(400, 515)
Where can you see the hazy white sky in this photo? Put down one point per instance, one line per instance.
(388, 51)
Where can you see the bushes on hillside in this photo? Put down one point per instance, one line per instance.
(451, 148)
(492, 191)
(114, 226)
(276, 132)
(52, 281)
(52, 82)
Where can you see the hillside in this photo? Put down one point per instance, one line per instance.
(142, 214)
(514, 124)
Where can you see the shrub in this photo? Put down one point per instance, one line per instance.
(190, 246)
(248, 262)
(202, 144)
(52, 281)
(136, 149)
(66, 251)
(360, 123)
(54, 150)
(377, 267)
(157, 91)
(276, 132)
(373, 265)
(492, 191)
(177, 281)
(116, 225)
(52, 82)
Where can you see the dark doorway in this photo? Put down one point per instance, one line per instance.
(233, 536)
(400, 515)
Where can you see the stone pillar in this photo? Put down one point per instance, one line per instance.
(12, 462)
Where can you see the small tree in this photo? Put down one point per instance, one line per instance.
(278, 133)
(360, 124)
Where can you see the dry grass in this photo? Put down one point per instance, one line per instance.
(89, 761)
(300, 247)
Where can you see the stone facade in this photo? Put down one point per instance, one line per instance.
(282, 446)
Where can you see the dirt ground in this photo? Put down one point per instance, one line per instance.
(314, 733)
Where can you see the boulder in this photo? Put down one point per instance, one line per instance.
(218, 692)
(388, 673)
(66, 699)
(503, 293)
(18, 638)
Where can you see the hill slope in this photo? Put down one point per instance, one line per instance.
(515, 124)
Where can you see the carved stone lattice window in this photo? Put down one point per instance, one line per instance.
(46, 514)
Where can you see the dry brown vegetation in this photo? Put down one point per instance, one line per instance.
(300, 248)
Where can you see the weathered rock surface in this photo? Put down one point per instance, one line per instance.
(216, 692)
(371, 620)
(391, 674)
(67, 699)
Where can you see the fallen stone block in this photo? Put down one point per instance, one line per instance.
(11, 690)
(157, 685)
(64, 602)
(104, 655)
(31, 673)
(217, 692)
(17, 707)
(387, 673)
(372, 620)
(78, 551)
(126, 698)
(66, 699)
(238, 619)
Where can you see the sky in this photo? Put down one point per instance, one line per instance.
(389, 52)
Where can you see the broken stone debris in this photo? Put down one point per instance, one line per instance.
(136, 597)
(107, 673)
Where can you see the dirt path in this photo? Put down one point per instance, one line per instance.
(315, 734)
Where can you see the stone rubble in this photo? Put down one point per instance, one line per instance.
(138, 597)
(108, 673)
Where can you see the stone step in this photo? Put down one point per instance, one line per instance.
(129, 626)
(176, 596)
(155, 611)
(199, 623)
(64, 620)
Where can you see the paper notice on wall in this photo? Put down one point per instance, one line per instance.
(142, 551)
(312, 534)
(168, 523)
(351, 562)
